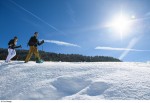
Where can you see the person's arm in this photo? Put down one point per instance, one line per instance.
(18, 47)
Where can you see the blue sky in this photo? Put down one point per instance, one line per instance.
(79, 26)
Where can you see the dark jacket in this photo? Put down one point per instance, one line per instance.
(12, 44)
(34, 41)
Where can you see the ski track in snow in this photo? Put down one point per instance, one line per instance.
(74, 81)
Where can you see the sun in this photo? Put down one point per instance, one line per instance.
(121, 24)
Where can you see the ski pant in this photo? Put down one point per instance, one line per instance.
(33, 50)
(11, 54)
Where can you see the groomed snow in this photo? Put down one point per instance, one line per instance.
(79, 81)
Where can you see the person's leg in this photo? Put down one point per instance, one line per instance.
(13, 54)
(36, 53)
(29, 54)
(9, 55)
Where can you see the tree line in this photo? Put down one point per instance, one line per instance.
(49, 56)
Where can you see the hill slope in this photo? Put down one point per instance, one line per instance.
(63, 80)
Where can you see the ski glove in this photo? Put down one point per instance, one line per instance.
(41, 42)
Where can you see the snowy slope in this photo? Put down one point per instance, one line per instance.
(62, 80)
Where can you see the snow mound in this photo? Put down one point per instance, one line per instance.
(97, 88)
(69, 85)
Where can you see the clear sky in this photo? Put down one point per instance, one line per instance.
(117, 28)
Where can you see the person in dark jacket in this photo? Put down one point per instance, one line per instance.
(33, 43)
(11, 49)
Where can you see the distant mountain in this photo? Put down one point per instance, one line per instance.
(49, 56)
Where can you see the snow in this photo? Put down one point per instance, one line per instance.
(74, 81)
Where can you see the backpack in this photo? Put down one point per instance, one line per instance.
(11, 42)
(31, 42)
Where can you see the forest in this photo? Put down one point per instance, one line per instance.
(50, 56)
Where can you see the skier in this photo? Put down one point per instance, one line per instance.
(33, 43)
(11, 49)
